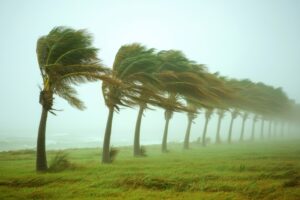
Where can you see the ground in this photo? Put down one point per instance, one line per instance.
(262, 170)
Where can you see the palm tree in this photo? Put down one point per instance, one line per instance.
(134, 65)
(220, 114)
(245, 117)
(65, 57)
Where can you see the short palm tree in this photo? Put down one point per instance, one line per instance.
(65, 57)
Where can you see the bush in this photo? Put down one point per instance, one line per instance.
(143, 151)
(60, 162)
(113, 153)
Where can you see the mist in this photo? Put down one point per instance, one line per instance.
(257, 40)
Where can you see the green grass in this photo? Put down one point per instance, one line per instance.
(237, 171)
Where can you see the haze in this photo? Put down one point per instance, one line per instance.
(251, 39)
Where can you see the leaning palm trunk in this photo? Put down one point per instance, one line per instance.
(46, 100)
(282, 129)
(136, 144)
(245, 116)
(41, 160)
(230, 130)
(262, 128)
(205, 131)
(168, 116)
(106, 143)
(188, 130)
(253, 129)
(275, 129)
(270, 129)
(218, 138)
(234, 114)
(221, 115)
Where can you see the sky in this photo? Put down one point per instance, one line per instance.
(255, 39)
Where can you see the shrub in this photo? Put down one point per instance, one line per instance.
(60, 162)
(143, 151)
(113, 153)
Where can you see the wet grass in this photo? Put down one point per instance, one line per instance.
(237, 171)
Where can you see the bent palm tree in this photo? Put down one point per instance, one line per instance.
(65, 57)
(134, 66)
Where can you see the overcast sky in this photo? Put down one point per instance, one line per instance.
(255, 39)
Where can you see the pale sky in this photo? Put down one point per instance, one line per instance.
(255, 39)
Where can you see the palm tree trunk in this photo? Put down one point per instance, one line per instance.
(253, 130)
(165, 136)
(243, 130)
(204, 132)
(41, 159)
(230, 130)
(282, 129)
(270, 129)
(275, 129)
(262, 129)
(106, 143)
(187, 134)
(218, 139)
(136, 144)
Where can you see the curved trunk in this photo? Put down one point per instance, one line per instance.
(243, 130)
(204, 132)
(187, 134)
(253, 130)
(230, 130)
(106, 143)
(41, 159)
(218, 139)
(262, 129)
(282, 129)
(165, 136)
(275, 129)
(270, 129)
(136, 144)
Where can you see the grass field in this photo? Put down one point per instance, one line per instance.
(237, 171)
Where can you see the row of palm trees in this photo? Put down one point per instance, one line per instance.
(144, 78)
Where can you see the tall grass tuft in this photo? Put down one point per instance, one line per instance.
(113, 153)
(60, 162)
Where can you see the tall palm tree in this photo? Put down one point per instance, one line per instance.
(136, 67)
(65, 57)
(133, 65)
